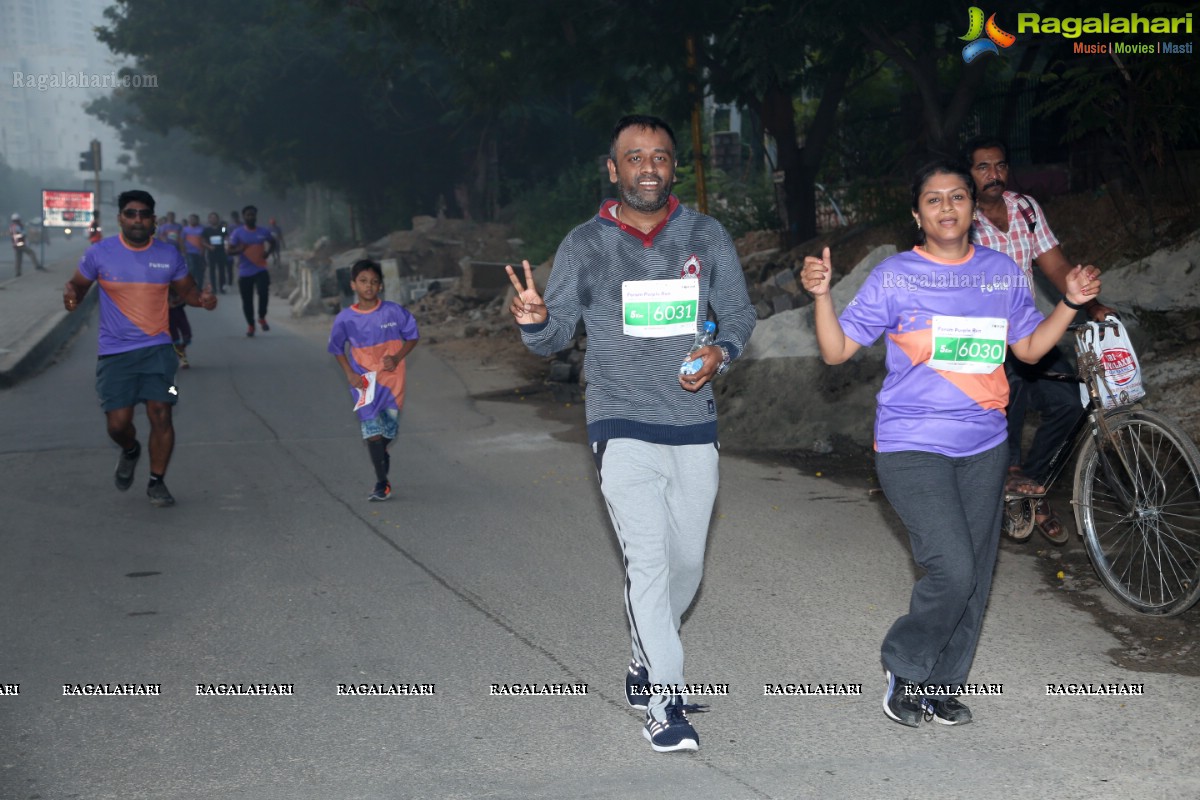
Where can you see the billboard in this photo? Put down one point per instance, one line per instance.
(65, 208)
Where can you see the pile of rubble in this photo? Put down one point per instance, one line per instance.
(462, 261)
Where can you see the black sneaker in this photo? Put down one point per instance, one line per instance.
(674, 732)
(381, 492)
(946, 710)
(903, 707)
(159, 496)
(637, 686)
(123, 477)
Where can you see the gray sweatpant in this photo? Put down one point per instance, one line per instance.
(952, 508)
(660, 499)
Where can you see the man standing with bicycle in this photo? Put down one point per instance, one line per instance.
(1015, 224)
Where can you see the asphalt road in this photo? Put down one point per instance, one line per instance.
(492, 564)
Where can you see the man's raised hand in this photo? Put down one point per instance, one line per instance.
(527, 307)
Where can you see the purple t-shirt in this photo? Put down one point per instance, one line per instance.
(170, 232)
(372, 335)
(253, 259)
(951, 401)
(133, 291)
(192, 236)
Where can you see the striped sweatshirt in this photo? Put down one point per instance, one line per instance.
(633, 389)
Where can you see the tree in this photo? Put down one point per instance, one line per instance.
(278, 89)
(1141, 107)
(921, 39)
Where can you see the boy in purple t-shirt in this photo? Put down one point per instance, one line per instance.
(380, 334)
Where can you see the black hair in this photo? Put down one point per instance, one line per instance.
(249, 208)
(639, 121)
(981, 143)
(941, 166)
(135, 196)
(364, 264)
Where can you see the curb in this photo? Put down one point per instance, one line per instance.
(43, 342)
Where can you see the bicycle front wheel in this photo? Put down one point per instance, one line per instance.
(1138, 509)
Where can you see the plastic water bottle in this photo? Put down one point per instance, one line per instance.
(704, 337)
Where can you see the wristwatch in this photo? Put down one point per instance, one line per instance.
(721, 370)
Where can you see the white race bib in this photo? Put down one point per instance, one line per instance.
(972, 345)
(658, 309)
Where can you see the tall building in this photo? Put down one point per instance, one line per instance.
(51, 65)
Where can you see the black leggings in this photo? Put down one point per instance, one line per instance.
(246, 285)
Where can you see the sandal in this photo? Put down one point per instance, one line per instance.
(1049, 524)
(1019, 483)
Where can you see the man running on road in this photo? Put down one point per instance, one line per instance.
(137, 361)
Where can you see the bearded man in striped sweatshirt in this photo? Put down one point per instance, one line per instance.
(644, 274)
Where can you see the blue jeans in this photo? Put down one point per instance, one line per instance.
(952, 508)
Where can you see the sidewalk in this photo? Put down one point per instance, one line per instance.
(33, 323)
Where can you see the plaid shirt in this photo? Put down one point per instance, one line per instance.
(1021, 244)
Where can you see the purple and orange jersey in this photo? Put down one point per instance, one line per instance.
(372, 335)
(923, 407)
(253, 259)
(133, 291)
(170, 232)
(193, 235)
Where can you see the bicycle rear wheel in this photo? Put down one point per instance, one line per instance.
(1140, 518)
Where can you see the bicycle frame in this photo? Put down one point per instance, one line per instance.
(1091, 416)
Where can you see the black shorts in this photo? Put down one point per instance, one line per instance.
(125, 379)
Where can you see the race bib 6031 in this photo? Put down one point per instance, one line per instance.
(657, 309)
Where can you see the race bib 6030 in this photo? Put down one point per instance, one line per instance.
(969, 344)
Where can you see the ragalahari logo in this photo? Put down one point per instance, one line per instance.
(996, 38)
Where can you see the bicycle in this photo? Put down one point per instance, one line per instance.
(1136, 497)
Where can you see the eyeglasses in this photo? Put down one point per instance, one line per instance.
(134, 213)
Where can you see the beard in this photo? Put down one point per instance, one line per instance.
(632, 197)
(138, 235)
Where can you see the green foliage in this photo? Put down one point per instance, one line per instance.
(740, 206)
(293, 99)
(546, 212)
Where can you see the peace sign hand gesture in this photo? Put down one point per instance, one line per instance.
(527, 307)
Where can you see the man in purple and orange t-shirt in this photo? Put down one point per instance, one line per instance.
(252, 245)
(171, 232)
(194, 246)
(137, 361)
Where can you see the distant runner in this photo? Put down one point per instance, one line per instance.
(253, 246)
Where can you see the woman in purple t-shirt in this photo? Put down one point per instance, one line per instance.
(949, 310)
